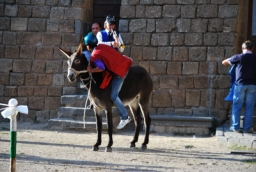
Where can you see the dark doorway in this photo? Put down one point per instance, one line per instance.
(102, 8)
(252, 23)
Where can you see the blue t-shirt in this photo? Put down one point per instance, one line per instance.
(245, 68)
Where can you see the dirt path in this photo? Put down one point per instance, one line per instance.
(39, 149)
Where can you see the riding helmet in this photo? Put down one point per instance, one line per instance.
(90, 40)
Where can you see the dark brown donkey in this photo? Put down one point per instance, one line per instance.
(135, 92)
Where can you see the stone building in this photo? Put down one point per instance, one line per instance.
(181, 43)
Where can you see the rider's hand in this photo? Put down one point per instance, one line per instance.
(114, 44)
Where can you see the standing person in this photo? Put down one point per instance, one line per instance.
(245, 87)
(96, 27)
(114, 66)
(109, 36)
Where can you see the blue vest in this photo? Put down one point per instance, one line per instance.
(105, 36)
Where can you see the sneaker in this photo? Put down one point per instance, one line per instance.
(123, 123)
(249, 131)
(232, 129)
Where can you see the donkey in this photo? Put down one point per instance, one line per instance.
(135, 92)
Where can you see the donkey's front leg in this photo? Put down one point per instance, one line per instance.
(110, 129)
(98, 117)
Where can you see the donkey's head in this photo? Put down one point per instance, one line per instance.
(77, 63)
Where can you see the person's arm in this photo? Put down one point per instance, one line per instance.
(226, 62)
(99, 67)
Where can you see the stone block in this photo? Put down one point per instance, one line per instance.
(231, 24)
(180, 54)
(45, 80)
(147, 2)
(23, 66)
(162, 98)
(127, 11)
(160, 39)
(183, 112)
(17, 79)
(177, 39)
(172, 11)
(41, 12)
(64, 2)
(174, 68)
(186, 2)
(215, 25)
(31, 79)
(1, 39)
(197, 54)
(10, 91)
(226, 39)
(12, 51)
(4, 78)
(5, 65)
(222, 140)
(27, 51)
(123, 25)
(74, 13)
(5, 23)
(43, 116)
(165, 25)
(233, 2)
(36, 103)
(37, 24)
(215, 54)
(70, 39)
(207, 98)
(23, 1)
(164, 53)
(29, 38)
(192, 97)
(137, 25)
(207, 67)
(156, 82)
(220, 81)
(58, 80)
(25, 91)
(157, 67)
(178, 98)
(199, 25)
(57, 13)
(140, 11)
(228, 11)
(53, 66)
(40, 90)
(19, 24)
(136, 53)
(9, 37)
(52, 103)
(1, 9)
(190, 68)
(44, 53)
(51, 2)
(186, 82)
(38, 66)
(183, 25)
(151, 25)
(207, 11)
(25, 11)
(54, 91)
(1, 49)
(210, 39)
(218, 2)
(153, 11)
(202, 82)
(149, 53)
(193, 39)
(188, 11)
(141, 39)
(128, 38)
(229, 51)
(51, 38)
(168, 81)
(220, 96)
(37, 2)
(52, 25)
(163, 2)
(11, 10)
(1, 92)
(201, 111)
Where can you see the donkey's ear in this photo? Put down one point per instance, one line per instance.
(80, 48)
(66, 53)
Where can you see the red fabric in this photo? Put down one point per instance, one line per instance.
(113, 60)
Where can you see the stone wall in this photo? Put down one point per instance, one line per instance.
(181, 43)
(31, 66)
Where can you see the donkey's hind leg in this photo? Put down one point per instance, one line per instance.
(98, 117)
(147, 122)
(137, 121)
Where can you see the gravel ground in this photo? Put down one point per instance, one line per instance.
(39, 149)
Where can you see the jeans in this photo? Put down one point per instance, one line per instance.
(116, 85)
(243, 95)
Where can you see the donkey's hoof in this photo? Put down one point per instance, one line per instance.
(108, 149)
(95, 148)
(143, 147)
(132, 145)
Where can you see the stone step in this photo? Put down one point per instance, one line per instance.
(77, 113)
(74, 100)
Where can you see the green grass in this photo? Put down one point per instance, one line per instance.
(250, 161)
(235, 147)
(189, 146)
